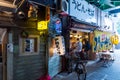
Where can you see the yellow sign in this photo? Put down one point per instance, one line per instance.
(115, 39)
(42, 25)
(101, 41)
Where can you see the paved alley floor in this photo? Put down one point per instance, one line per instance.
(97, 71)
(100, 72)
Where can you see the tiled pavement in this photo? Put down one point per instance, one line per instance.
(96, 71)
(70, 76)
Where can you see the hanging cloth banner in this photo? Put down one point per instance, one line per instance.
(101, 41)
(60, 45)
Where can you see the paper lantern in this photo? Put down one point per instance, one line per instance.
(114, 39)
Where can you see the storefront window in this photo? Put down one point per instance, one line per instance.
(29, 45)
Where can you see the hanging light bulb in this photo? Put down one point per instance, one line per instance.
(21, 14)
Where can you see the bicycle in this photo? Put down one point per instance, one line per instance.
(81, 70)
(79, 67)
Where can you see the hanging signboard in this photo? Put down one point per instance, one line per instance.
(55, 26)
(60, 45)
(82, 11)
(42, 25)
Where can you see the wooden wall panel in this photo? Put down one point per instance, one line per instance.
(28, 67)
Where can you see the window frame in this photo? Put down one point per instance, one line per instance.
(22, 45)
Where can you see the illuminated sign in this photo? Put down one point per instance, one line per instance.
(115, 39)
(58, 26)
(42, 25)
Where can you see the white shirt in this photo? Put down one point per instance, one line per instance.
(78, 47)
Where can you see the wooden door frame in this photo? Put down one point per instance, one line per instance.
(4, 54)
(3, 42)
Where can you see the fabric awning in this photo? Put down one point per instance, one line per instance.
(83, 25)
(81, 30)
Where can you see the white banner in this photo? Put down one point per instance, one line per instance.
(60, 45)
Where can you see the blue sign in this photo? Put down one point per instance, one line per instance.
(58, 27)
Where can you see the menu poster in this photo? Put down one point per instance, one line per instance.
(29, 45)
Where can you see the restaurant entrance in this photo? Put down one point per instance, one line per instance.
(84, 38)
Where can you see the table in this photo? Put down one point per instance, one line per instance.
(107, 58)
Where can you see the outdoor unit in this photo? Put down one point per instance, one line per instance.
(65, 6)
(61, 5)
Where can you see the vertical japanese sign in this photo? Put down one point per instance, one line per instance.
(60, 45)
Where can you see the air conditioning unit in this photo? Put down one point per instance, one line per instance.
(65, 6)
(61, 5)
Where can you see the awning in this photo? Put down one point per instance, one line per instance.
(81, 30)
(83, 25)
(2, 34)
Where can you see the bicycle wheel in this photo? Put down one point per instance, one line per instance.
(80, 69)
(82, 76)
